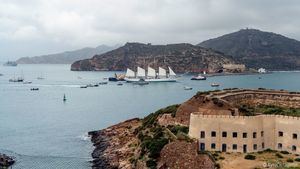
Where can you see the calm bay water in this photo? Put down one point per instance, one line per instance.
(42, 131)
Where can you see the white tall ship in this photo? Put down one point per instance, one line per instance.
(151, 75)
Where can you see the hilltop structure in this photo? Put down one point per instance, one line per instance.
(236, 133)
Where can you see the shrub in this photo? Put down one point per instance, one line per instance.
(297, 159)
(279, 155)
(176, 129)
(155, 145)
(221, 158)
(284, 152)
(250, 157)
(289, 160)
(217, 166)
(151, 164)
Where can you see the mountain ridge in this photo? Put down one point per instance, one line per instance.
(66, 57)
(258, 49)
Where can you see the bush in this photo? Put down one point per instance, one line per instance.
(289, 160)
(297, 159)
(250, 157)
(217, 166)
(151, 164)
(221, 158)
(284, 152)
(176, 129)
(155, 145)
(279, 155)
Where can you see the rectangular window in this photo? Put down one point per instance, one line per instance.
(234, 146)
(213, 146)
(279, 146)
(224, 134)
(254, 134)
(280, 134)
(262, 145)
(262, 133)
(294, 148)
(202, 134)
(294, 136)
(202, 146)
(244, 135)
(213, 134)
(254, 146)
(234, 134)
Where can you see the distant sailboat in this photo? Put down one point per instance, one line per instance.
(41, 77)
(64, 99)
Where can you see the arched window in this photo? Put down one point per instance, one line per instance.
(294, 148)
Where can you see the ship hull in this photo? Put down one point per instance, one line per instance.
(151, 80)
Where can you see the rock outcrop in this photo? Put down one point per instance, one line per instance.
(6, 161)
(181, 57)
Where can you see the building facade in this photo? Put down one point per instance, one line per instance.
(245, 133)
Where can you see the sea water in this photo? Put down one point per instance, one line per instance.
(43, 131)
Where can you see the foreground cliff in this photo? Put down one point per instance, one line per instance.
(181, 57)
(144, 143)
(161, 140)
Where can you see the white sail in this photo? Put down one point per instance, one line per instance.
(171, 72)
(141, 72)
(162, 72)
(129, 73)
(151, 72)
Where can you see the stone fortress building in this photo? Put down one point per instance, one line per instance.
(235, 133)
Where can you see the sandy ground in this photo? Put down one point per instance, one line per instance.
(263, 160)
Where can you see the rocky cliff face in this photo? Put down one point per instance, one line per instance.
(257, 49)
(181, 57)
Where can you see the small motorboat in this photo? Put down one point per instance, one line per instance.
(85, 86)
(27, 82)
(215, 85)
(19, 79)
(119, 84)
(103, 83)
(199, 77)
(187, 88)
(34, 89)
(95, 85)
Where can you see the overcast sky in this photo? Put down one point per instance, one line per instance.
(35, 27)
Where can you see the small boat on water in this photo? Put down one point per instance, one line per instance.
(16, 80)
(215, 85)
(41, 77)
(187, 88)
(117, 78)
(103, 83)
(10, 63)
(151, 76)
(27, 82)
(34, 89)
(85, 86)
(120, 84)
(199, 77)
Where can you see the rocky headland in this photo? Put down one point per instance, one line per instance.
(160, 140)
(181, 57)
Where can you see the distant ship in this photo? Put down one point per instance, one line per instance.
(10, 63)
(151, 76)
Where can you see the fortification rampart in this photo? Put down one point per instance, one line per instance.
(246, 133)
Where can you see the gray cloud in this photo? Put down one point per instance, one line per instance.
(34, 27)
